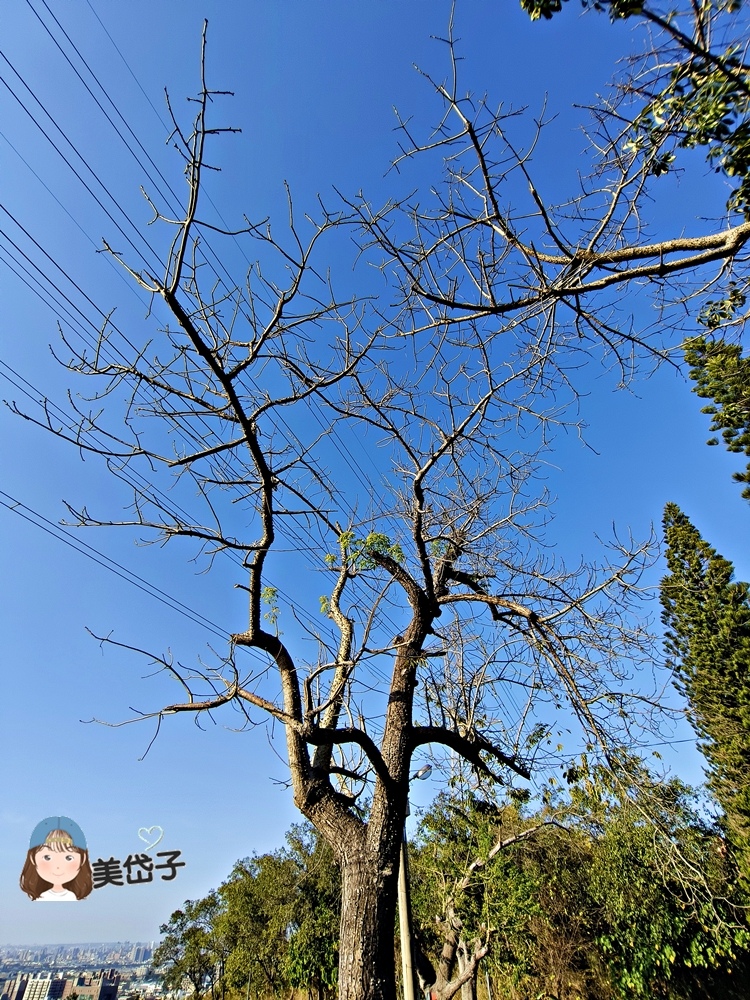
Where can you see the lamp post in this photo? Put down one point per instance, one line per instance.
(404, 906)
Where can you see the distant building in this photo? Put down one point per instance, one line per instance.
(99, 986)
(14, 989)
(35, 986)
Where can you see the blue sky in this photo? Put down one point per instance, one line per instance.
(315, 85)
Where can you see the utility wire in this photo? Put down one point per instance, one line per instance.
(144, 151)
(33, 393)
(288, 433)
(344, 450)
(345, 453)
(304, 545)
(131, 285)
(68, 163)
(107, 562)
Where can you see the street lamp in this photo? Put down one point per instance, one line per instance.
(404, 907)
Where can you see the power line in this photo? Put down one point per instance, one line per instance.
(126, 63)
(68, 163)
(107, 562)
(343, 451)
(304, 546)
(106, 95)
(118, 270)
(31, 391)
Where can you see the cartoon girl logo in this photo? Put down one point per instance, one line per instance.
(57, 865)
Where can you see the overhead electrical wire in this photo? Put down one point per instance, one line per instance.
(144, 486)
(316, 624)
(33, 393)
(96, 555)
(164, 500)
(304, 547)
(117, 269)
(73, 169)
(14, 505)
(344, 451)
(108, 98)
(126, 63)
(176, 203)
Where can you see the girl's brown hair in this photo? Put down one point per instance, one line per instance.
(58, 840)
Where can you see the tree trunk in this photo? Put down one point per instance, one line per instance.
(367, 968)
(463, 956)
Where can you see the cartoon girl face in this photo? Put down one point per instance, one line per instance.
(57, 864)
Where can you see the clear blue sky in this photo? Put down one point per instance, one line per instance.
(315, 85)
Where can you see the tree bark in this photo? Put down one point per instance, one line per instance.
(465, 965)
(367, 968)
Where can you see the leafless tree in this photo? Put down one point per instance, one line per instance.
(462, 369)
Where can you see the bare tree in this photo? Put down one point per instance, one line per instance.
(462, 369)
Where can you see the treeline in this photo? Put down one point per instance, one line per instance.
(589, 898)
(579, 898)
(270, 928)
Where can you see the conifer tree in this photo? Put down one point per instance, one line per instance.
(707, 617)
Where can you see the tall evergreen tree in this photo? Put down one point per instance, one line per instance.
(707, 617)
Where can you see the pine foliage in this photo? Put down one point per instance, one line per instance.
(707, 617)
(721, 373)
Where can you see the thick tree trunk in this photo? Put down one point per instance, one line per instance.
(367, 969)
(367, 852)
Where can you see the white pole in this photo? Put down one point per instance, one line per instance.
(404, 903)
(404, 924)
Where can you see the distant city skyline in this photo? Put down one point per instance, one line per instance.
(90, 945)
(71, 944)
(81, 956)
(88, 970)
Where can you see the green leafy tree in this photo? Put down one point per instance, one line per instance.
(546, 9)
(707, 617)
(188, 951)
(651, 936)
(508, 890)
(578, 902)
(256, 901)
(586, 902)
(312, 956)
(273, 923)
